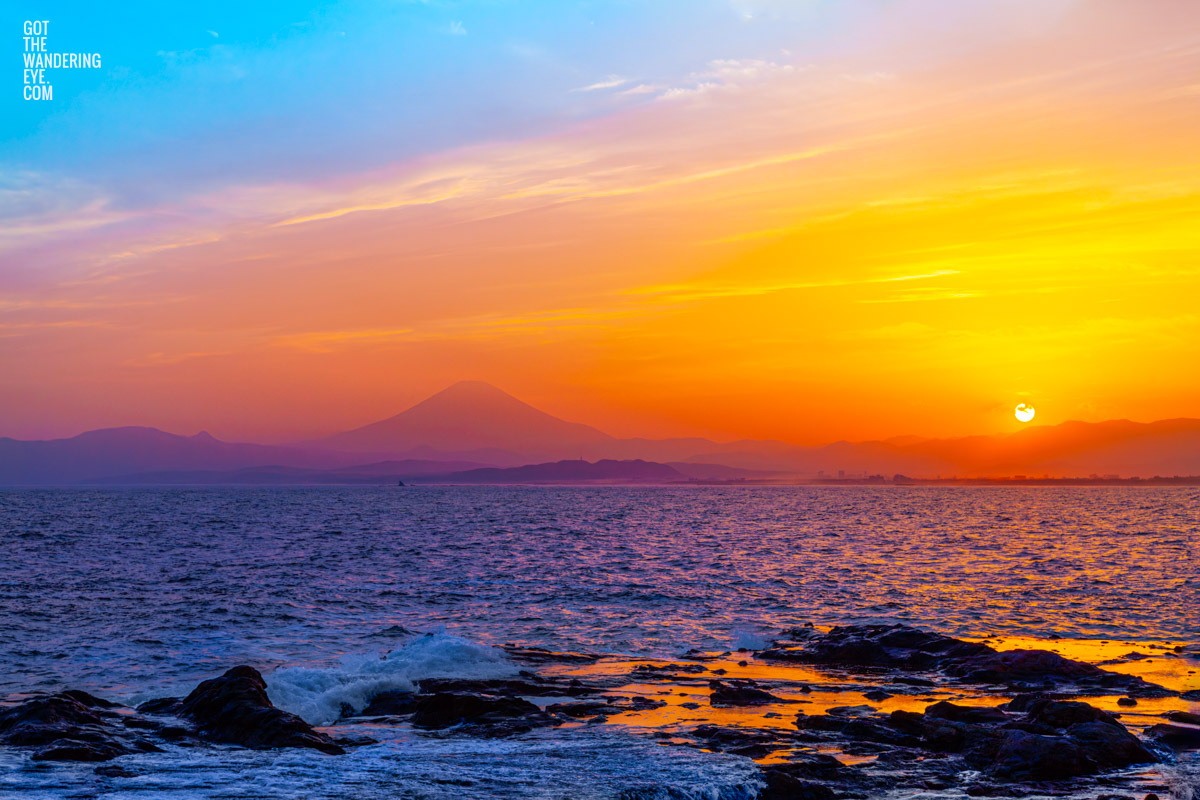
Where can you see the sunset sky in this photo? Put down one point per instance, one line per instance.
(806, 220)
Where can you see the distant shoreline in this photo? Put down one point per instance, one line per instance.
(1189, 480)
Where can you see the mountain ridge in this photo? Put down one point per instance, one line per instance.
(477, 423)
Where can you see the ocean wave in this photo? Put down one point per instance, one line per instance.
(320, 696)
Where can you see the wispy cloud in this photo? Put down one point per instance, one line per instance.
(611, 82)
(699, 291)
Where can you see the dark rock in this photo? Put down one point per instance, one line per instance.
(904, 647)
(893, 646)
(782, 786)
(811, 766)
(666, 670)
(639, 703)
(69, 726)
(976, 714)
(113, 771)
(741, 741)
(540, 655)
(1126, 701)
(877, 694)
(70, 750)
(89, 700)
(1177, 737)
(579, 710)
(1186, 717)
(908, 680)
(531, 687)
(1109, 745)
(1021, 756)
(1025, 665)
(391, 703)
(160, 705)
(355, 741)
(1065, 713)
(739, 693)
(508, 714)
(234, 708)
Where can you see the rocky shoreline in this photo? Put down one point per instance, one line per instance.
(853, 712)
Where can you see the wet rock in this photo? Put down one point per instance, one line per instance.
(739, 693)
(160, 705)
(355, 741)
(1177, 737)
(975, 714)
(746, 742)
(113, 771)
(540, 655)
(388, 704)
(892, 646)
(1021, 756)
(1032, 738)
(69, 726)
(234, 708)
(580, 710)
(1126, 701)
(531, 686)
(1186, 717)
(904, 647)
(1041, 666)
(782, 786)
(851, 711)
(89, 700)
(666, 671)
(504, 715)
(857, 729)
(1063, 714)
(877, 695)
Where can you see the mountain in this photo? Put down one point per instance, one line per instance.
(606, 470)
(117, 451)
(381, 473)
(1167, 447)
(469, 417)
(471, 424)
(478, 422)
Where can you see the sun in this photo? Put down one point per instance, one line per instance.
(1024, 412)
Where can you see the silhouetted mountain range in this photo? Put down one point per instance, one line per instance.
(474, 425)
(638, 471)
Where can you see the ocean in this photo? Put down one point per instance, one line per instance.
(331, 592)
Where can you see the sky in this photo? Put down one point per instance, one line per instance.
(805, 220)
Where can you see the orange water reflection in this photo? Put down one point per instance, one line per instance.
(686, 695)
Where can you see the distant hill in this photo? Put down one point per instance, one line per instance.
(466, 419)
(468, 416)
(571, 472)
(472, 424)
(380, 473)
(116, 451)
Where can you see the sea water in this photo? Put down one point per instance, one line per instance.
(330, 592)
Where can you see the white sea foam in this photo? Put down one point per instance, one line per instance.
(318, 695)
(749, 639)
(581, 763)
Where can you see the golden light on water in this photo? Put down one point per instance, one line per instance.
(1025, 412)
